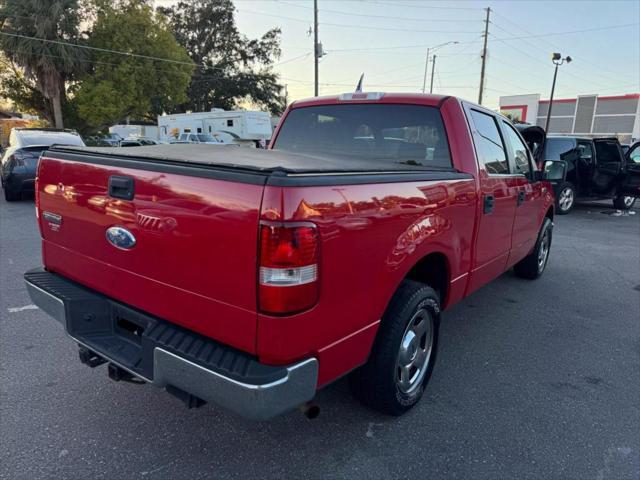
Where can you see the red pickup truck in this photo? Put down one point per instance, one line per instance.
(252, 278)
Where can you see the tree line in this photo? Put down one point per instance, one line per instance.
(88, 64)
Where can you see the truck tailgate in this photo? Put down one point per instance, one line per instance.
(194, 259)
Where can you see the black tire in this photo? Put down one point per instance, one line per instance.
(532, 266)
(11, 196)
(566, 198)
(376, 384)
(624, 203)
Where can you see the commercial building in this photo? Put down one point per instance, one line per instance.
(586, 115)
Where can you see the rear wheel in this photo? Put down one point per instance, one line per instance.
(533, 265)
(394, 378)
(623, 202)
(566, 198)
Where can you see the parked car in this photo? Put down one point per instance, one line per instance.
(199, 138)
(594, 169)
(112, 139)
(256, 277)
(97, 141)
(20, 159)
(137, 142)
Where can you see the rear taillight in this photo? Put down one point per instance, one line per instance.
(288, 267)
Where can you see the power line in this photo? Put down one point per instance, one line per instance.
(347, 25)
(386, 17)
(570, 32)
(289, 60)
(397, 47)
(430, 7)
(555, 47)
(133, 55)
(539, 60)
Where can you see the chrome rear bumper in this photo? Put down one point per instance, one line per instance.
(262, 393)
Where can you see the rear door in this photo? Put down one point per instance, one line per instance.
(530, 200)
(499, 187)
(631, 180)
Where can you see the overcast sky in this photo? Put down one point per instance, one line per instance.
(387, 40)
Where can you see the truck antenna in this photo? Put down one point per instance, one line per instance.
(359, 86)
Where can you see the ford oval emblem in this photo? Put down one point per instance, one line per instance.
(120, 237)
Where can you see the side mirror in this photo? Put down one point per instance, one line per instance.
(552, 170)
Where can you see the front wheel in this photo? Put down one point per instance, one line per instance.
(623, 202)
(400, 365)
(532, 266)
(566, 198)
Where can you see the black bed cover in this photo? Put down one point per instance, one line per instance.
(247, 159)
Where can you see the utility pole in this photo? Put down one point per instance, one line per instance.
(316, 46)
(484, 56)
(426, 69)
(433, 67)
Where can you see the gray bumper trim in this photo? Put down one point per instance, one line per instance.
(253, 401)
(257, 402)
(51, 304)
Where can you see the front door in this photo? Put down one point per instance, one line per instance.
(631, 181)
(609, 159)
(499, 191)
(530, 200)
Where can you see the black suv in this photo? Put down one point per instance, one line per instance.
(594, 168)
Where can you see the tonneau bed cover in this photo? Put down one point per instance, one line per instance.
(247, 159)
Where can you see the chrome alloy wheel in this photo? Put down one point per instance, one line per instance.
(628, 201)
(565, 199)
(415, 352)
(543, 251)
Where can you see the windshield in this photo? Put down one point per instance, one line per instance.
(41, 137)
(205, 137)
(380, 133)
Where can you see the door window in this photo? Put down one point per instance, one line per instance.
(585, 151)
(519, 151)
(489, 145)
(634, 155)
(608, 152)
(559, 149)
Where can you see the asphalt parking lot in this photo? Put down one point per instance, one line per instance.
(534, 380)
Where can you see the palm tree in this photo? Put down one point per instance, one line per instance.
(24, 24)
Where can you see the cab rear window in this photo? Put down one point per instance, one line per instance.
(383, 134)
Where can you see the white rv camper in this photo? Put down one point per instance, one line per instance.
(248, 128)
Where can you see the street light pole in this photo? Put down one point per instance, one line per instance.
(426, 68)
(426, 64)
(557, 60)
(433, 67)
